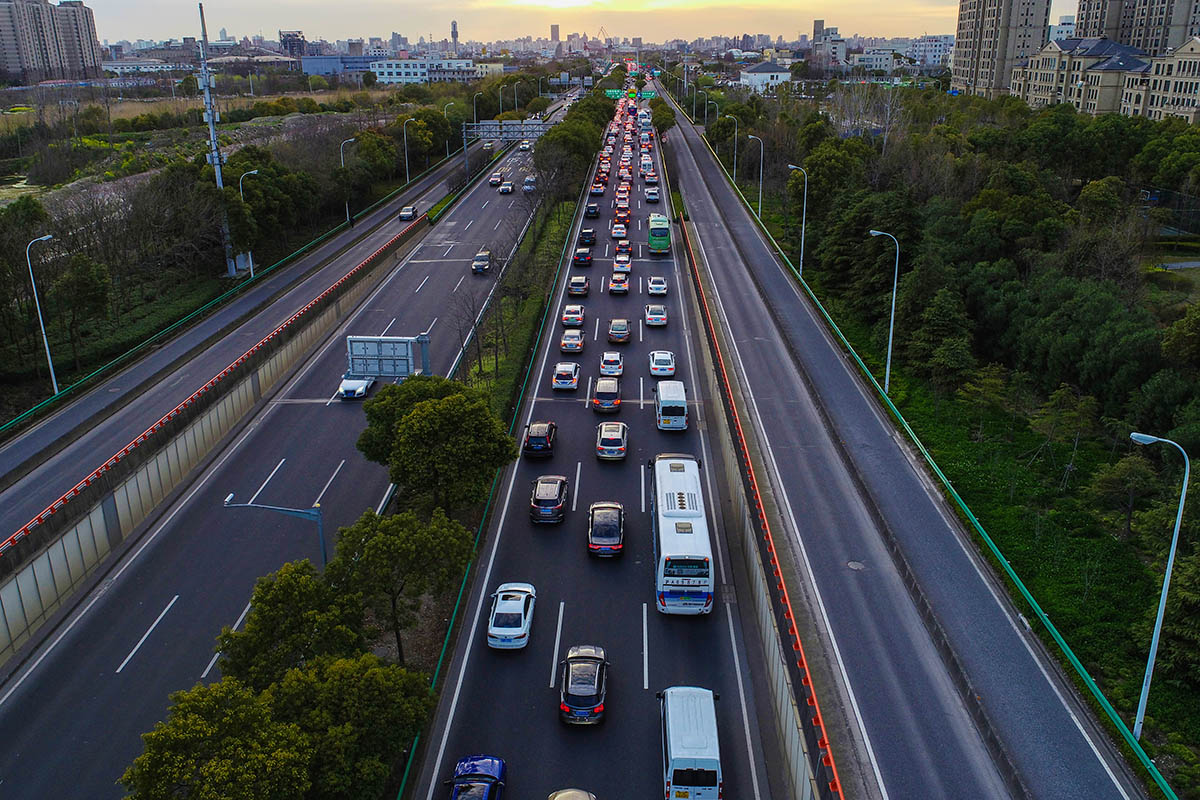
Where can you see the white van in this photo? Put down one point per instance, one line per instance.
(690, 751)
(670, 406)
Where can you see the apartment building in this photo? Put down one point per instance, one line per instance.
(40, 41)
(1165, 86)
(1087, 73)
(424, 70)
(992, 36)
(931, 50)
(1156, 26)
(1065, 29)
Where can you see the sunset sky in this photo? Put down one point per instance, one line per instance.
(485, 20)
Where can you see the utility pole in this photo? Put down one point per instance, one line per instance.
(214, 148)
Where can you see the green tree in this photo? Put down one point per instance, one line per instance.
(1100, 200)
(396, 560)
(799, 70)
(189, 86)
(369, 79)
(662, 118)
(471, 444)
(220, 741)
(537, 105)
(1181, 341)
(390, 405)
(1121, 485)
(295, 616)
(376, 153)
(83, 289)
(318, 83)
(987, 391)
(1180, 648)
(359, 714)
(941, 344)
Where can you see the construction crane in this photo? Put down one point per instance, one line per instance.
(601, 37)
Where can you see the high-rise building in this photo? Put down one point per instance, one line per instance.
(1065, 29)
(293, 44)
(992, 36)
(818, 28)
(39, 41)
(1155, 26)
(454, 36)
(554, 33)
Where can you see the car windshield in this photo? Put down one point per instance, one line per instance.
(662, 360)
(470, 791)
(538, 440)
(620, 327)
(506, 619)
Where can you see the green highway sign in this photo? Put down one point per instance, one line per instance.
(614, 94)
(649, 94)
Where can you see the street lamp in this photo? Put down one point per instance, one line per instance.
(540, 85)
(708, 103)
(501, 100)
(1142, 438)
(735, 138)
(243, 197)
(694, 95)
(446, 117)
(887, 372)
(803, 215)
(762, 151)
(313, 514)
(37, 304)
(404, 130)
(342, 155)
(475, 107)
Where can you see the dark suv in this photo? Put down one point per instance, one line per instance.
(548, 500)
(587, 236)
(584, 685)
(539, 439)
(592, 210)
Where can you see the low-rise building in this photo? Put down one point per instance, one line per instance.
(887, 61)
(486, 69)
(133, 66)
(1087, 73)
(764, 77)
(1165, 86)
(424, 70)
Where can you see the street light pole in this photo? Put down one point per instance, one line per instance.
(803, 215)
(887, 372)
(313, 514)
(762, 152)
(446, 117)
(696, 93)
(37, 304)
(404, 130)
(243, 197)
(1142, 438)
(342, 155)
(735, 138)
(708, 103)
(475, 107)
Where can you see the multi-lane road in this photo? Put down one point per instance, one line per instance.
(103, 677)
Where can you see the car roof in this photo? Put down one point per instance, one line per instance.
(539, 428)
(611, 429)
(578, 278)
(609, 383)
(566, 366)
(491, 766)
(573, 308)
(620, 321)
(611, 355)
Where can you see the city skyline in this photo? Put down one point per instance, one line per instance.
(491, 20)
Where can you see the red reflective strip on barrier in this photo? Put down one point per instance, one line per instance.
(62, 500)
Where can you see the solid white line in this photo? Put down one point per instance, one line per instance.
(737, 667)
(332, 397)
(512, 203)
(641, 393)
(382, 500)
(460, 280)
(468, 225)
(268, 480)
(389, 326)
(575, 495)
(421, 284)
(640, 332)
(217, 655)
(331, 477)
(646, 653)
(557, 640)
(146, 635)
(430, 328)
(588, 395)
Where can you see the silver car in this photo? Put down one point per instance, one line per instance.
(612, 439)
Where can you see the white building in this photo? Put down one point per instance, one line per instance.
(133, 66)
(764, 77)
(931, 51)
(882, 60)
(424, 70)
(1065, 29)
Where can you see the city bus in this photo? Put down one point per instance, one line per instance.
(684, 577)
(659, 237)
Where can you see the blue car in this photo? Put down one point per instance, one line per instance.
(478, 778)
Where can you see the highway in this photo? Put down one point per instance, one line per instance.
(103, 676)
(505, 703)
(832, 459)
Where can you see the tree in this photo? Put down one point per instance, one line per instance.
(359, 714)
(369, 79)
(1100, 201)
(295, 616)
(220, 741)
(1122, 484)
(390, 405)
(396, 560)
(1180, 649)
(471, 444)
(1181, 342)
(537, 105)
(986, 390)
(84, 290)
(799, 70)
(189, 86)
(662, 118)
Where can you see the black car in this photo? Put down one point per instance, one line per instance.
(606, 529)
(591, 210)
(539, 439)
(584, 685)
(587, 236)
(548, 500)
(582, 257)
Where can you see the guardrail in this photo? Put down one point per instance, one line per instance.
(998, 556)
(49, 558)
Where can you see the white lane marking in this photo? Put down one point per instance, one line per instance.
(332, 397)
(641, 393)
(557, 640)
(326, 487)
(213, 662)
(640, 332)
(448, 249)
(468, 225)
(575, 495)
(421, 284)
(646, 654)
(383, 500)
(596, 335)
(639, 284)
(146, 635)
(460, 280)
(737, 667)
(512, 203)
(642, 486)
(498, 223)
(606, 245)
(430, 328)
(389, 326)
(268, 480)
(588, 394)
(485, 202)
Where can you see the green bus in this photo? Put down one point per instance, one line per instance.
(660, 234)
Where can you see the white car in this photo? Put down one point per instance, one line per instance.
(662, 363)
(525, 144)
(652, 195)
(656, 314)
(355, 387)
(619, 232)
(656, 286)
(612, 364)
(408, 213)
(566, 376)
(512, 616)
(622, 263)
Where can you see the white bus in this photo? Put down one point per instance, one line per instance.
(683, 563)
(670, 406)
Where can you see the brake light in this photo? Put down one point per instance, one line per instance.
(598, 709)
(720, 789)
(621, 449)
(708, 600)
(563, 707)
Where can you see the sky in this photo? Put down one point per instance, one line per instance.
(487, 20)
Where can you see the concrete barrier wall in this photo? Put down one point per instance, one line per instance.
(43, 564)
